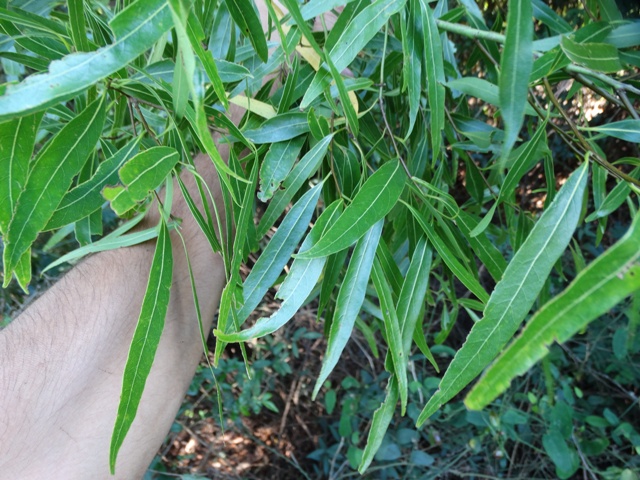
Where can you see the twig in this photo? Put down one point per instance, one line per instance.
(625, 100)
(335, 456)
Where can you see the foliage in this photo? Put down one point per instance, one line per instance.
(427, 135)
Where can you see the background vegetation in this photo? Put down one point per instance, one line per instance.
(466, 168)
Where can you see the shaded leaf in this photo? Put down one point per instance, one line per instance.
(244, 14)
(279, 128)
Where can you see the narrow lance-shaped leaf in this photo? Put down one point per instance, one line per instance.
(50, 177)
(278, 251)
(279, 128)
(373, 201)
(140, 175)
(414, 289)
(245, 16)
(87, 197)
(515, 68)
(136, 29)
(393, 332)
(381, 419)
(277, 164)
(434, 65)
(349, 301)
(145, 340)
(78, 28)
(516, 293)
(609, 279)
(296, 287)
(17, 138)
(412, 48)
(183, 77)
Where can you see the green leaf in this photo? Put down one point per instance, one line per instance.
(393, 332)
(136, 29)
(277, 164)
(516, 293)
(306, 167)
(352, 40)
(379, 425)
(515, 68)
(87, 197)
(296, 287)
(145, 340)
(627, 130)
(278, 251)
(17, 138)
(373, 201)
(244, 14)
(609, 279)
(140, 175)
(414, 289)
(434, 65)
(565, 458)
(412, 50)
(614, 200)
(78, 28)
(349, 302)
(449, 257)
(50, 177)
(184, 73)
(601, 57)
(625, 35)
(279, 128)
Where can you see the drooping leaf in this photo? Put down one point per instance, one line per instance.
(87, 197)
(515, 68)
(515, 294)
(245, 16)
(50, 177)
(136, 29)
(380, 424)
(296, 287)
(278, 251)
(373, 201)
(17, 138)
(145, 340)
(140, 175)
(609, 279)
(277, 164)
(394, 333)
(349, 302)
(434, 66)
